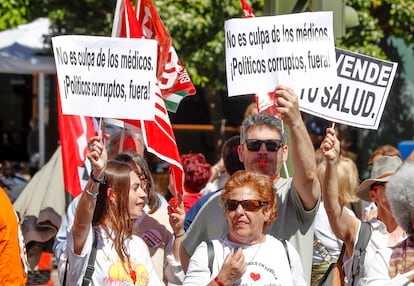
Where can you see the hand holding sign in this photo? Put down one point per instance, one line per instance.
(287, 105)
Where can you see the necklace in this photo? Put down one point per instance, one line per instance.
(255, 254)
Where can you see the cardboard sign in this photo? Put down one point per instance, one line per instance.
(359, 97)
(296, 50)
(106, 77)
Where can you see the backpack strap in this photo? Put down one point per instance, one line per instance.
(65, 272)
(87, 278)
(358, 256)
(210, 255)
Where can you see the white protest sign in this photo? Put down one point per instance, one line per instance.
(295, 50)
(359, 97)
(106, 77)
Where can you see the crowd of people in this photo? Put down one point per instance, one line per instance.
(239, 221)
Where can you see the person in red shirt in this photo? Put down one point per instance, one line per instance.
(197, 172)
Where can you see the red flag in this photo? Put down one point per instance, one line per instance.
(173, 78)
(74, 132)
(153, 28)
(158, 133)
(128, 28)
(247, 10)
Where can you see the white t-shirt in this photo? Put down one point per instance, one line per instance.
(377, 253)
(108, 267)
(325, 235)
(266, 263)
(293, 223)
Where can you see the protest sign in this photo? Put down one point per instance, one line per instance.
(296, 50)
(106, 77)
(359, 97)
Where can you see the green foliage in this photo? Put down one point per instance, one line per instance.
(379, 19)
(13, 13)
(197, 26)
(87, 17)
(197, 29)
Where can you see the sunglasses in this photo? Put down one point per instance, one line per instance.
(272, 145)
(247, 205)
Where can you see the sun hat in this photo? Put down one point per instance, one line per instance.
(382, 170)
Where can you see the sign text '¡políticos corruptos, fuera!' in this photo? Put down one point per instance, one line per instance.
(108, 90)
(248, 66)
(75, 85)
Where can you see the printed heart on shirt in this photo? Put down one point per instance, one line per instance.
(255, 276)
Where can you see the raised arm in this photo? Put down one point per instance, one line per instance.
(302, 152)
(342, 223)
(86, 207)
(177, 217)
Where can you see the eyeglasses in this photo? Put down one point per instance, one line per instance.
(272, 145)
(376, 186)
(247, 205)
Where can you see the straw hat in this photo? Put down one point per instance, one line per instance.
(382, 170)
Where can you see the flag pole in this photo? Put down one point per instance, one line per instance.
(137, 8)
(116, 26)
(100, 129)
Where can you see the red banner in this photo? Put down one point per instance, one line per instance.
(158, 133)
(74, 132)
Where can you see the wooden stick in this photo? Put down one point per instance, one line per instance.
(100, 131)
(116, 27)
(137, 8)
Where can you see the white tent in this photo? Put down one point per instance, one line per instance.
(21, 50)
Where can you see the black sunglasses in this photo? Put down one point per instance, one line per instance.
(247, 205)
(272, 145)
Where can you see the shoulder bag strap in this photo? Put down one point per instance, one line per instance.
(286, 250)
(340, 260)
(358, 256)
(87, 278)
(64, 273)
(210, 255)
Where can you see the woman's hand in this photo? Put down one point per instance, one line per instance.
(97, 156)
(330, 145)
(177, 217)
(234, 266)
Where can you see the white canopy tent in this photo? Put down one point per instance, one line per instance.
(21, 51)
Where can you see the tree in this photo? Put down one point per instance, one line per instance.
(13, 13)
(380, 23)
(197, 29)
